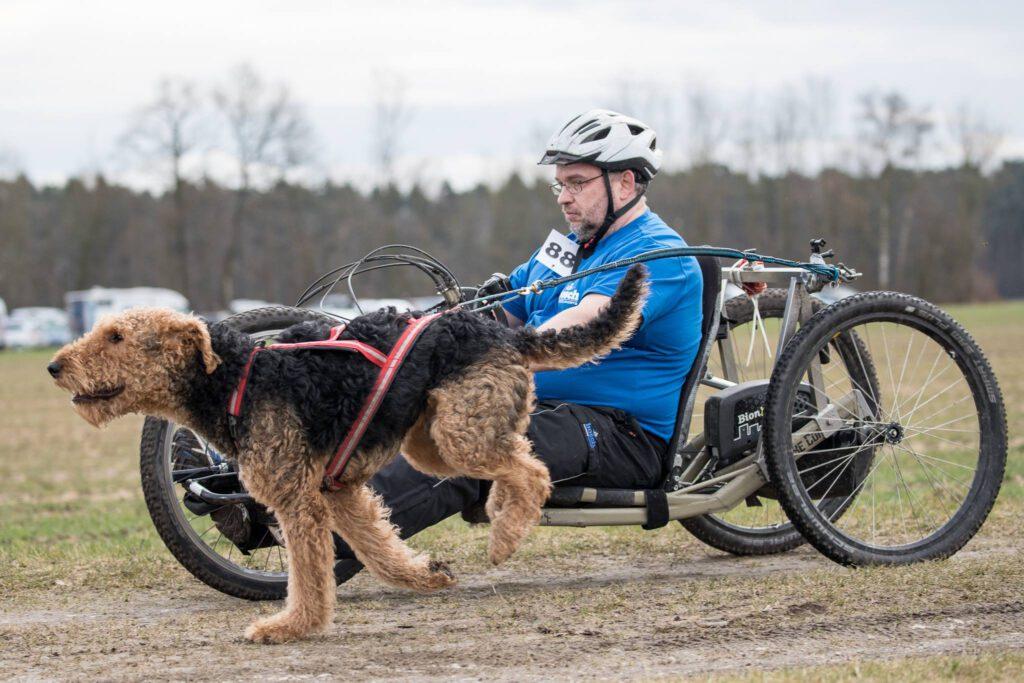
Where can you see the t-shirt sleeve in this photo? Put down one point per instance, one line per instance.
(668, 280)
(517, 305)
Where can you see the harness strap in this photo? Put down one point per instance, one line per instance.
(332, 343)
(336, 467)
(389, 366)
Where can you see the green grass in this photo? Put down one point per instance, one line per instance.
(71, 507)
(990, 666)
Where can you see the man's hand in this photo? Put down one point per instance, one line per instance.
(497, 284)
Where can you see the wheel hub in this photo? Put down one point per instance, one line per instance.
(894, 433)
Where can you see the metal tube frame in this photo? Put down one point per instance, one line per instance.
(743, 479)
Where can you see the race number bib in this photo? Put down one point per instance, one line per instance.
(558, 253)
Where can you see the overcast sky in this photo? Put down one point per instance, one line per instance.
(487, 80)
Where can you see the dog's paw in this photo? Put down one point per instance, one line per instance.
(441, 575)
(275, 629)
(498, 551)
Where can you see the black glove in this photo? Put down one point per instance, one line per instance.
(495, 284)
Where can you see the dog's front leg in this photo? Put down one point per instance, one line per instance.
(311, 589)
(360, 517)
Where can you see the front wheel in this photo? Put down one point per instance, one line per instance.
(236, 549)
(929, 449)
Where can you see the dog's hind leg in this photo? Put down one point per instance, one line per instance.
(360, 517)
(479, 424)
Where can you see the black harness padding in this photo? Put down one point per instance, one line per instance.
(657, 509)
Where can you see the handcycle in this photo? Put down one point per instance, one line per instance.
(872, 427)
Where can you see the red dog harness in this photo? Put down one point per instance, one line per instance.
(389, 365)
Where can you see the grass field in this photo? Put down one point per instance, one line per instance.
(72, 519)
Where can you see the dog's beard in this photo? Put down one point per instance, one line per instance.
(94, 415)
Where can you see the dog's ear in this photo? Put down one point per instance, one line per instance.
(197, 331)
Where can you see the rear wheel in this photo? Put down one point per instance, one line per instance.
(206, 540)
(935, 426)
(759, 526)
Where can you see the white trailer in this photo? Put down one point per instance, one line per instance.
(3, 319)
(87, 306)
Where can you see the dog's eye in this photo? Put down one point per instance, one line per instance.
(115, 338)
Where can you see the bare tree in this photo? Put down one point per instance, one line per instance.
(707, 125)
(10, 163)
(162, 134)
(821, 107)
(892, 129)
(976, 138)
(268, 136)
(392, 116)
(750, 136)
(650, 102)
(787, 131)
(894, 133)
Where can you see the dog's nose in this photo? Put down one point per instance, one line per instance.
(53, 368)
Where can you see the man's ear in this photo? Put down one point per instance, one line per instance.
(628, 184)
(197, 331)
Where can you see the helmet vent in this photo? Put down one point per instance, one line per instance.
(597, 135)
(635, 130)
(585, 127)
(569, 123)
(654, 143)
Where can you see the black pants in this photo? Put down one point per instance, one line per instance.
(581, 445)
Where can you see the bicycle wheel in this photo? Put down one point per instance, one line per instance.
(935, 430)
(760, 526)
(206, 541)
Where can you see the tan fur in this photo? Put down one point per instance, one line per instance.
(474, 425)
(156, 343)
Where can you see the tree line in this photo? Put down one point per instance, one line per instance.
(912, 199)
(950, 235)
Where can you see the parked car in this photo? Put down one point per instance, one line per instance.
(36, 327)
(3, 319)
(86, 306)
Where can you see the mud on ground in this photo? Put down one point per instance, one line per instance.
(597, 616)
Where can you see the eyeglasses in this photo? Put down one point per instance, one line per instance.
(574, 187)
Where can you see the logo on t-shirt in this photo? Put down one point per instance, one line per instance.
(570, 295)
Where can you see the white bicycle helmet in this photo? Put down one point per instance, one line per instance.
(608, 140)
(612, 142)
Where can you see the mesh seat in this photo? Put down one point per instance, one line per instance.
(569, 496)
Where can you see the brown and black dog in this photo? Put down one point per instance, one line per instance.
(459, 406)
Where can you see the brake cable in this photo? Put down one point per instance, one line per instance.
(832, 274)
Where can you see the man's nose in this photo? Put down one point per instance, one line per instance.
(53, 368)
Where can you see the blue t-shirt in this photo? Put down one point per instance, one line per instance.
(643, 377)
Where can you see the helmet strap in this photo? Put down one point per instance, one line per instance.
(611, 215)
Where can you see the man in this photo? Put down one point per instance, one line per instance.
(604, 424)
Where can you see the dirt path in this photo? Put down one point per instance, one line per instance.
(614, 620)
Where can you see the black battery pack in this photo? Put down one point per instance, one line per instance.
(733, 419)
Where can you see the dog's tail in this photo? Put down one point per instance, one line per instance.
(572, 346)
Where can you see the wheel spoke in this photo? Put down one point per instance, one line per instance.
(908, 470)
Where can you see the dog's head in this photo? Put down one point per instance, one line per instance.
(133, 362)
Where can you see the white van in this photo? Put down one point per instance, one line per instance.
(36, 327)
(86, 306)
(3, 319)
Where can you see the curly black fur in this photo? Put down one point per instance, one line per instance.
(327, 388)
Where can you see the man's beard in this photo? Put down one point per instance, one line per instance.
(584, 231)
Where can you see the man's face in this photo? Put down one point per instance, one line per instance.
(584, 212)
